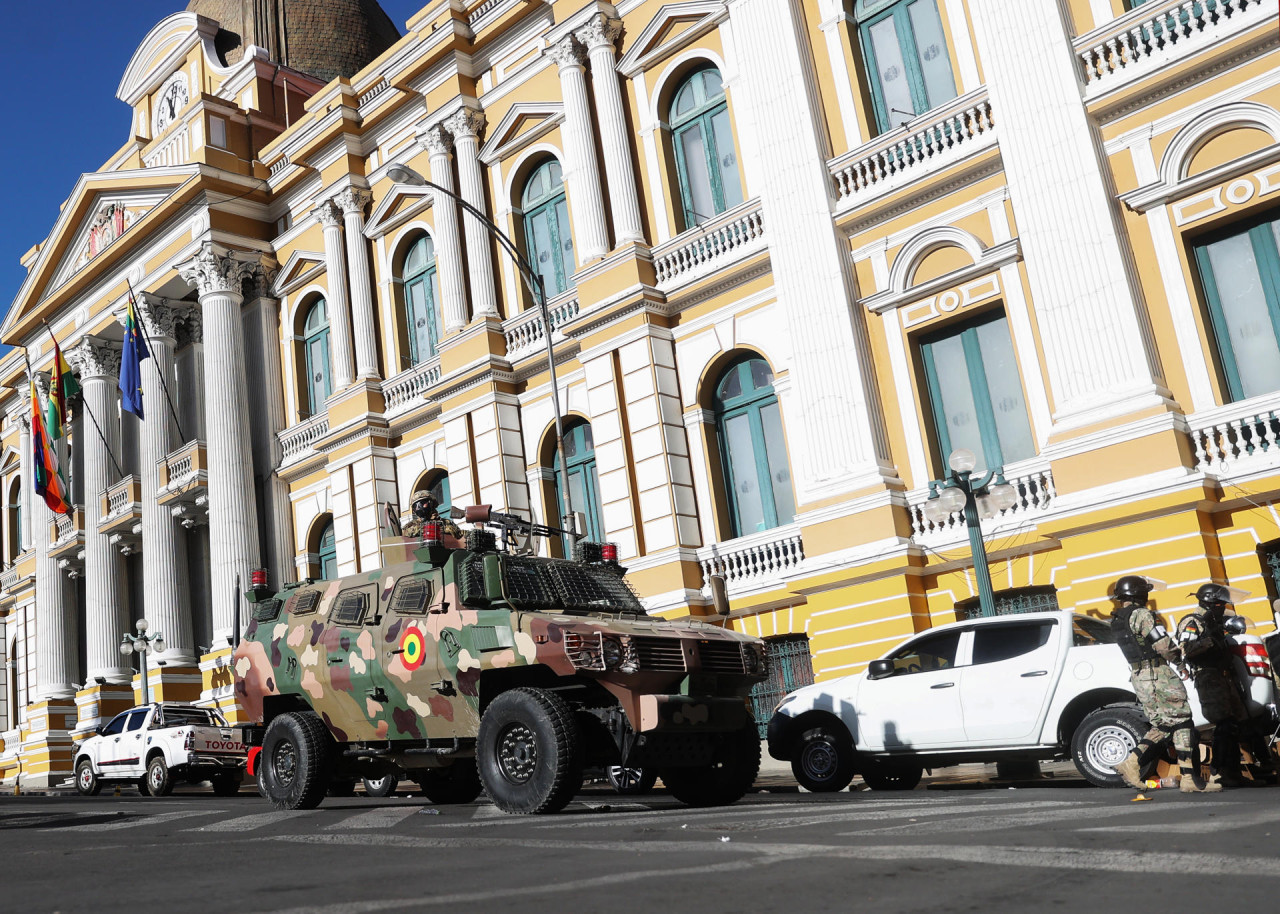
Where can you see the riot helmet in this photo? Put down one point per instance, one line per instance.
(1213, 596)
(1132, 587)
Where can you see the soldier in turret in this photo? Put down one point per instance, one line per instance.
(426, 508)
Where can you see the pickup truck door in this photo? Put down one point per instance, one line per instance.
(1007, 685)
(107, 749)
(918, 707)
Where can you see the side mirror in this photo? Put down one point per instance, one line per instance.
(880, 669)
(100, 729)
(719, 594)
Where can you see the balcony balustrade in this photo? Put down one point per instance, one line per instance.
(757, 562)
(1034, 485)
(299, 440)
(176, 150)
(407, 389)
(717, 243)
(524, 332)
(1239, 438)
(121, 506)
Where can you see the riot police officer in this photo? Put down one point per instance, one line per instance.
(426, 508)
(1147, 646)
(1203, 642)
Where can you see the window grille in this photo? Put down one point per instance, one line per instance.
(1012, 603)
(790, 667)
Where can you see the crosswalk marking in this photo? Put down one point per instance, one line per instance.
(259, 820)
(801, 820)
(383, 817)
(145, 819)
(1223, 823)
(1015, 820)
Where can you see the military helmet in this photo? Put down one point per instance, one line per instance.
(419, 495)
(1213, 595)
(1131, 587)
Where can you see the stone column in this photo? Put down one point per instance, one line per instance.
(599, 35)
(339, 311)
(448, 245)
(352, 202)
(262, 320)
(164, 552)
(1098, 351)
(582, 172)
(219, 275)
(25, 457)
(465, 125)
(106, 613)
(57, 642)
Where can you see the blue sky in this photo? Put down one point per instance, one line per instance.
(62, 62)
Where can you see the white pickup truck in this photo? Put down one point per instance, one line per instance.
(155, 746)
(1036, 686)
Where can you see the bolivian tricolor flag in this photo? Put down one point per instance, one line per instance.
(64, 388)
(49, 481)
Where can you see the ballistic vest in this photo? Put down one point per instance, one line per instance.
(1135, 649)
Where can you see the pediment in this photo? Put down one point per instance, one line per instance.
(298, 270)
(164, 50)
(398, 206)
(675, 26)
(523, 124)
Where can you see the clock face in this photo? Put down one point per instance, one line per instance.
(173, 98)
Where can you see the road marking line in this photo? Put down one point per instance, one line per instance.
(1227, 823)
(259, 820)
(923, 815)
(144, 819)
(384, 817)
(997, 822)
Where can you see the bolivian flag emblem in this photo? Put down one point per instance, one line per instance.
(412, 650)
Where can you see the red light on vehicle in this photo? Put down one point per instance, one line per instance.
(608, 552)
(258, 579)
(1255, 659)
(432, 530)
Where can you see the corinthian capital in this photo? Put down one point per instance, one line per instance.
(159, 318)
(465, 122)
(94, 358)
(567, 52)
(353, 200)
(436, 139)
(216, 269)
(600, 31)
(191, 329)
(328, 215)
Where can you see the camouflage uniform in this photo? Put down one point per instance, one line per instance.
(1160, 692)
(432, 511)
(1204, 643)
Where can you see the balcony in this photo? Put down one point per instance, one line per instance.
(66, 537)
(933, 141)
(1033, 482)
(121, 506)
(408, 388)
(18, 575)
(731, 237)
(754, 563)
(1238, 439)
(1159, 33)
(524, 332)
(299, 440)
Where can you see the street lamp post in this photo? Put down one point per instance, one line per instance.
(403, 174)
(979, 498)
(142, 644)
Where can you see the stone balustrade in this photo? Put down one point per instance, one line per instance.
(175, 150)
(949, 133)
(706, 248)
(299, 439)
(1156, 33)
(525, 333)
(1242, 437)
(758, 561)
(409, 387)
(1034, 485)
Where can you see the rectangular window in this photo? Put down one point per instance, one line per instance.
(1241, 275)
(976, 393)
(218, 132)
(907, 62)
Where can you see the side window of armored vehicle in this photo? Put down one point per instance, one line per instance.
(349, 607)
(1086, 632)
(305, 603)
(116, 725)
(266, 611)
(471, 580)
(526, 584)
(412, 595)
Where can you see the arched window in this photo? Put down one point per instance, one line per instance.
(319, 384)
(327, 553)
(421, 292)
(706, 159)
(546, 227)
(438, 486)
(584, 482)
(13, 510)
(905, 52)
(753, 449)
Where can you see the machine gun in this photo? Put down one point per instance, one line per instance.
(510, 525)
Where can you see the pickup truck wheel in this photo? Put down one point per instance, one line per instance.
(87, 783)
(824, 763)
(527, 752)
(296, 755)
(724, 781)
(630, 782)
(159, 779)
(384, 786)
(457, 784)
(1103, 740)
(886, 775)
(225, 785)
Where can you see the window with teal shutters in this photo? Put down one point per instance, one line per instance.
(753, 449)
(1241, 279)
(905, 51)
(546, 227)
(438, 486)
(315, 332)
(975, 391)
(706, 158)
(327, 555)
(421, 292)
(584, 481)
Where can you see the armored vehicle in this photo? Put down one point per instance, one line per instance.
(467, 665)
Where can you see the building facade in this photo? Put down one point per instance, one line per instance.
(796, 252)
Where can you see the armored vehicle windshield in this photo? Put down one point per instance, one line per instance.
(551, 585)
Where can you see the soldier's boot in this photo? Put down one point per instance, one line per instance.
(1192, 782)
(1226, 758)
(1131, 771)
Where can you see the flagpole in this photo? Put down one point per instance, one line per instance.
(163, 384)
(84, 404)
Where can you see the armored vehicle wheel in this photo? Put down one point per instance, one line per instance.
(87, 783)
(527, 752)
(725, 780)
(159, 780)
(895, 775)
(630, 781)
(225, 785)
(295, 761)
(459, 783)
(384, 786)
(1103, 740)
(824, 763)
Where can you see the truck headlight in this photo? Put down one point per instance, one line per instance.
(611, 652)
(752, 660)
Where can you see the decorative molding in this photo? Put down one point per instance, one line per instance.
(465, 122)
(95, 358)
(648, 48)
(504, 140)
(600, 30)
(215, 269)
(327, 214)
(436, 139)
(568, 52)
(352, 200)
(298, 270)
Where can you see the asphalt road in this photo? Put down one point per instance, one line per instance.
(960, 846)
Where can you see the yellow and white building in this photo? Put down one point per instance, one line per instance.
(796, 251)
